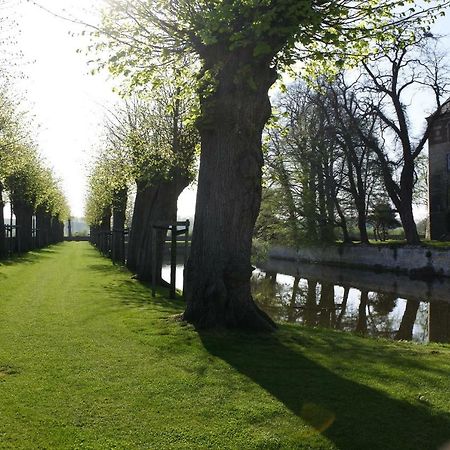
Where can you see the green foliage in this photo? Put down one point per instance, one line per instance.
(101, 185)
(22, 171)
(383, 218)
(148, 137)
(136, 38)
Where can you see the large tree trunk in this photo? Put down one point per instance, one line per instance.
(24, 223)
(43, 220)
(163, 208)
(228, 200)
(154, 203)
(119, 217)
(141, 204)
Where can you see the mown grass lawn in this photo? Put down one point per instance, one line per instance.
(88, 360)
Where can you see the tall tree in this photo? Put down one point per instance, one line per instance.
(240, 46)
(382, 96)
(157, 138)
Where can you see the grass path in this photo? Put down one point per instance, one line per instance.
(88, 360)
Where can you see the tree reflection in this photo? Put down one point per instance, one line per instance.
(314, 302)
(361, 325)
(405, 331)
(338, 325)
(327, 316)
(311, 308)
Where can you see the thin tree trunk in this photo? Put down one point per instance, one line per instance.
(41, 228)
(362, 226)
(24, 214)
(228, 200)
(138, 230)
(409, 224)
(161, 206)
(343, 223)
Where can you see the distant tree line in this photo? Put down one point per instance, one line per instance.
(147, 155)
(33, 191)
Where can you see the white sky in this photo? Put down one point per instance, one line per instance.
(67, 101)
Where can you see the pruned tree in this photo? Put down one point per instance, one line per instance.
(241, 46)
(156, 136)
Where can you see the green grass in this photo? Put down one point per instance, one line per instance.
(88, 360)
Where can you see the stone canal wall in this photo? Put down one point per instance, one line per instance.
(413, 260)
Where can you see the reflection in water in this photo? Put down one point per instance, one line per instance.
(350, 300)
(370, 304)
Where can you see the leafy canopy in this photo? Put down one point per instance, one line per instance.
(137, 37)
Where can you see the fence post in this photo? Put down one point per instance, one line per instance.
(173, 261)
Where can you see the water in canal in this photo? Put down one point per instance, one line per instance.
(358, 301)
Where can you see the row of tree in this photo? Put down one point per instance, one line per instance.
(147, 155)
(341, 153)
(31, 188)
(236, 51)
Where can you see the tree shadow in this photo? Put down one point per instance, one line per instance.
(350, 414)
(31, 257)
(137, 293)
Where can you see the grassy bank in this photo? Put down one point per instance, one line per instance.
(89, 360)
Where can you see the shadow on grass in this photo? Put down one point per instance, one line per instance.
(351, 415)
(137, 293)
(31, 257)
(348, 413)
(133, 292)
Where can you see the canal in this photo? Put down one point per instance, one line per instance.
(381, 305)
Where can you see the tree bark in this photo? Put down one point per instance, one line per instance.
(228, 197)
(24, 214)
(154, 203)
(162, 208)
(119, 217)
(408, 222)
(43, 222)
(137, 231)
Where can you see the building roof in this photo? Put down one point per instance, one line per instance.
(445, 109)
